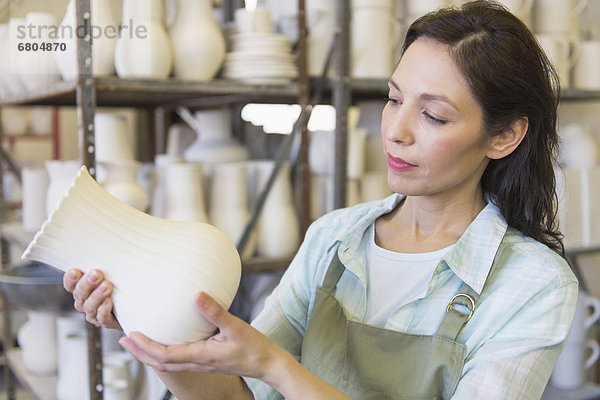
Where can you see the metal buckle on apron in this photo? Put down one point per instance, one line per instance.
(471, 309)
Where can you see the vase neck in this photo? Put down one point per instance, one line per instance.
(191, 9)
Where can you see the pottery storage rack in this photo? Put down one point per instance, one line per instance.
(88, 92)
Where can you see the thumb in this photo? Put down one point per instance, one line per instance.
(212, 311)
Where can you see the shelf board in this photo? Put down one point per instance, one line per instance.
(112, 91)
(41, 387)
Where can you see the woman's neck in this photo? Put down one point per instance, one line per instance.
(423, 224)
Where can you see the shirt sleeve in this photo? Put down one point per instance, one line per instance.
(516, 362)
(285, 314)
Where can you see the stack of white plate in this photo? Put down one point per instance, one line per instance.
(260, 58)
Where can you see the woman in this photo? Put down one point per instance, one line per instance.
(454, 288)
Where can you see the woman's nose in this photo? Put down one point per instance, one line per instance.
(400, 127)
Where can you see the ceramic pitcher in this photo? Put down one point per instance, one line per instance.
(198, 43)
(37, 339)
(144, 50)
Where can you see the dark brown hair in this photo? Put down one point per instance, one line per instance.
(510, 77)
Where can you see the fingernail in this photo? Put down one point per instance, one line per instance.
(104, 286)
(94, 277)
(72, 274)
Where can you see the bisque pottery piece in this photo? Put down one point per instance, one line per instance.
(198, 43)
(157, 266)
(146, 51)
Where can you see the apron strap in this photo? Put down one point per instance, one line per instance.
(454, 319)
(333, 274)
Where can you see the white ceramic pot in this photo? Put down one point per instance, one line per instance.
(145, 50)
(60, 174)
(570, 369)
(586, 74)
(198, 43)
(557, 16)
(41, 120)
(121, 182)
(37, 339)
(278, 225)
(229, 203)
(158, 199)
(104, 24)
(143, 256)
(184, 198)
(111, 138)
(15, 38)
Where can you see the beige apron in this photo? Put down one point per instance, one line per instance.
(369, 362)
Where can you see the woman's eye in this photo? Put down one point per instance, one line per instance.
(392, 100)
(434, 119)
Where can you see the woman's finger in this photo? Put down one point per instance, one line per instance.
(213, 312)
(70, 279)
(88, 282)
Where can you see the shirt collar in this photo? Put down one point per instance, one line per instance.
(471, 259)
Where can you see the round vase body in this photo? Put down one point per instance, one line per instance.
(198, 43)
(142, 256)
(144, 50)
(105, 25)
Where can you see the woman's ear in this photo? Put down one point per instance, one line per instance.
(506, 142)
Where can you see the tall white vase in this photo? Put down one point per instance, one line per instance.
(229, 209)
(37, 339)
(105, 23)
(111, 140)
(157, 266)
(278, 225)
(144, 50)
(198, 43)
(60, 174)
(159, 183)
(184, 192)
(121, 182)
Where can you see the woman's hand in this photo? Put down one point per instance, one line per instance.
(92, 296)
(238, 349)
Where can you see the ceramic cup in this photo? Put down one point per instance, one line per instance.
(562, 52)
(586, 314)
(586, 73)
(35, 186)
(569, 371)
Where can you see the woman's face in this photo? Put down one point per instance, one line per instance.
(432, 127)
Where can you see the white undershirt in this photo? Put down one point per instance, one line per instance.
(396, 279)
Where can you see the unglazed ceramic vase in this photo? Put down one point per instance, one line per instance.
(37, 339)
(198, 43)
(121, 182)
(229, 209)
(105, 23)
(278, 225)
(157, 266)
(145, 50)
(184, 192)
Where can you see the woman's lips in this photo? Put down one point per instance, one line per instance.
(399, 164)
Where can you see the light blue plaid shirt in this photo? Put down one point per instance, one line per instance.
(515, 335)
